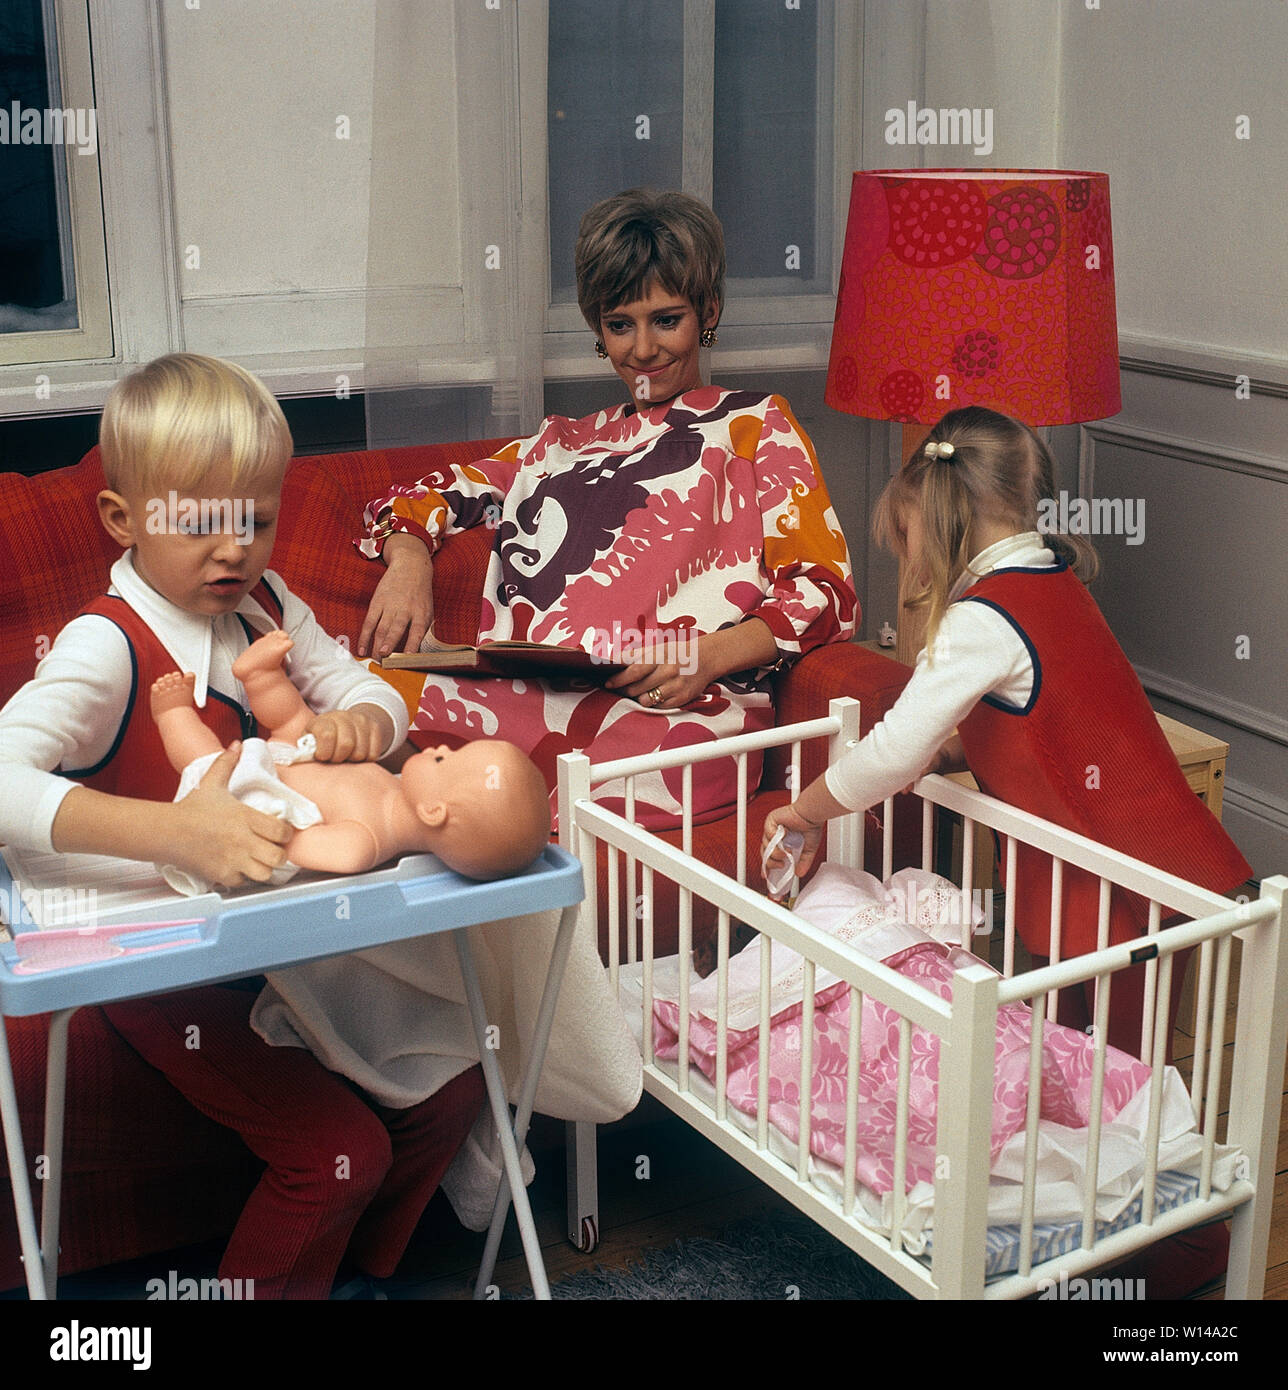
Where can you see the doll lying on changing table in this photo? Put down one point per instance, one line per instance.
(482, 809)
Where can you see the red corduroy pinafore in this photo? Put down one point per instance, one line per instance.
(136, 764)
(1087, 753)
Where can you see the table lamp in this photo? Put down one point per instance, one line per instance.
(990, 287)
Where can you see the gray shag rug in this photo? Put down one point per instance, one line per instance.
(779, 1255)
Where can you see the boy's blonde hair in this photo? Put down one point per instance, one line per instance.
(998, 471)
(182, 416)
(634, 238)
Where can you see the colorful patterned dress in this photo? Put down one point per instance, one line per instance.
(613, 523)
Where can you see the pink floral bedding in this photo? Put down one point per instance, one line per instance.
(1067, 1057)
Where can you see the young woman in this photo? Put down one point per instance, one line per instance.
(687, 529)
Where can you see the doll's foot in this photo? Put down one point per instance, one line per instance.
(172, 691)
(264, 654)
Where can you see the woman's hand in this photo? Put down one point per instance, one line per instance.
(702, 660)
(659, 685)
(402, 608)
(790, 819)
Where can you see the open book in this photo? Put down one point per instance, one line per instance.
(505, 659)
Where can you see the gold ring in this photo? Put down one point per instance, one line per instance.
(656, 695)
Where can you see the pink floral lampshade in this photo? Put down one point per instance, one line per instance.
(976, 287)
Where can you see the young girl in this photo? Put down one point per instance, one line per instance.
(1048, 713)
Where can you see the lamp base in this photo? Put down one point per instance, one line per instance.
(910, 627)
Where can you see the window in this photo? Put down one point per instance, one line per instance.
(53, 270)
(732, 100)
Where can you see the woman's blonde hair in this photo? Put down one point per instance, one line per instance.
(998, 471)
(182, 416)
(640, 236)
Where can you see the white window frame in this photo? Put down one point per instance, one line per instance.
(132, 177)
(80, 208)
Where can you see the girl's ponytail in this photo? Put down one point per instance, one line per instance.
(1076, 551)
(975, 465)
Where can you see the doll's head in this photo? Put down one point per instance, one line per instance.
(485, 806)
(976, 468)
(194, 454)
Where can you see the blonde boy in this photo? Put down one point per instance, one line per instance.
(194, 452)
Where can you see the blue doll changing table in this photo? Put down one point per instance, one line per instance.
(112, 931)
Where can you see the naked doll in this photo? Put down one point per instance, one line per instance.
(482, 809)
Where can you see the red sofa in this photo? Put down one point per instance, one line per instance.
(144, 1171)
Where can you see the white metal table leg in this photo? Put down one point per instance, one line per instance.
(55, 1112)
(23, 1208)
(500, 1105)
(540, 1040)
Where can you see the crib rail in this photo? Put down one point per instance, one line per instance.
(965, 1031)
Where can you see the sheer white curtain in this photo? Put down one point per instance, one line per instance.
(453, 310)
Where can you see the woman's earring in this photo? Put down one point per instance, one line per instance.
(600, 349)
(707, 337)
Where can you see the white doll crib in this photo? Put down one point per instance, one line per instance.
(974, 1235)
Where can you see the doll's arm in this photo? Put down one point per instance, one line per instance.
(347, 847)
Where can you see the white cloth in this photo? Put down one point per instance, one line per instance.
(254, 781)
(68, 716)
(394, 1020)
(976, 652)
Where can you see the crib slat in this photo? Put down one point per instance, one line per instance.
(741, 849)
(968, 879)
(1102, 934)
(852, 1076)
(1201, 1031)
(686, 925)
(796, 789)
(844, 833)
(1156, 1091)
(632, 915)
(722, 1014)
(1057, 923)
(1033, 1108)
(647, 908)
(927, 834)
(901, 1135)
(887, 837)
(1151, 985)
(1212, 1105)
(1008, 948)
(614, 918)
(762, 1060)
(807, 1073)
(686, 972)
(1091, 1183)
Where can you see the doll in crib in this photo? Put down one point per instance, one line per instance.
(483, 809)
(1048, 712)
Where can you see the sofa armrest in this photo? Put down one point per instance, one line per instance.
(821, 675)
